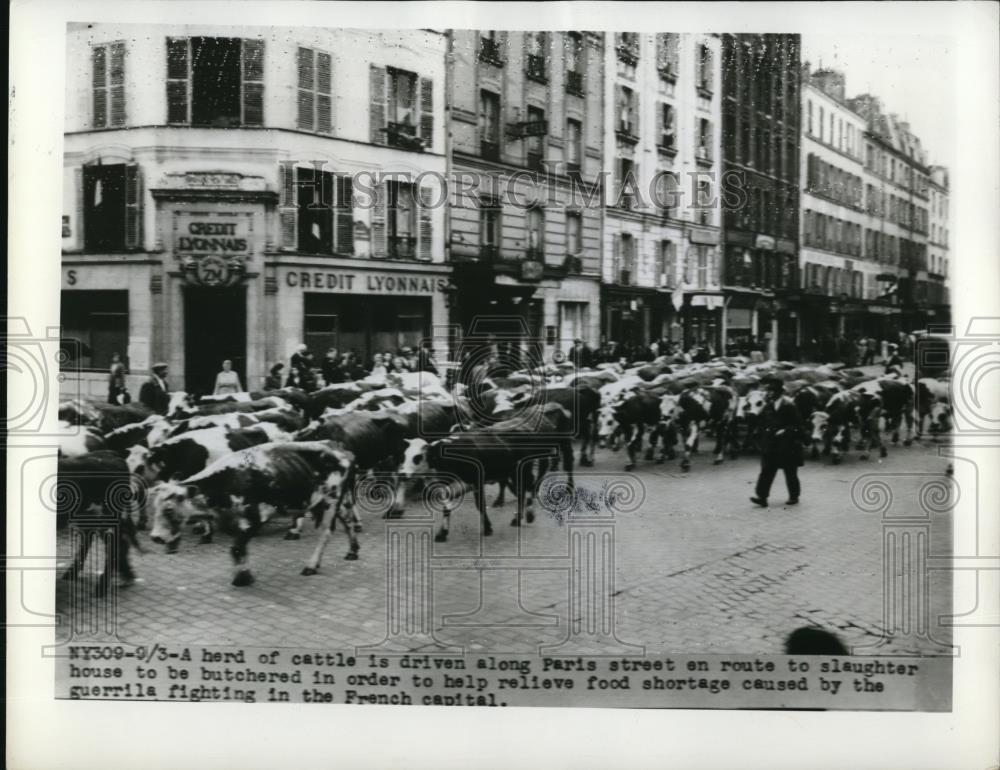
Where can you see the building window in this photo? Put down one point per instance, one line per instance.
(627, 47)
(315, 89)
(667, 56)
(626, 109)
(93, 327)
(490, 47)
(574, 234)
(215, 81)
(489, 125)
(574, 63)
(536, 235)
(668, 265)
(703, 150)
(626, 260)
(402, 221)
(627, 183)
(112, 207)
(325, 212)
(705, 70)
(401, 111)
(535, 143)
(537, 45)
(668, 127)
(572, 323)
(108, 79)
(489, 229)
(574, 145)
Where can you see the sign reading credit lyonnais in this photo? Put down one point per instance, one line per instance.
(211, 234)
(367, 283)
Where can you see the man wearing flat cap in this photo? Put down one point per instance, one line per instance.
(781, 443)
(154, 393)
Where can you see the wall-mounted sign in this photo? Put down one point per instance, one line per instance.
(531, 270)
(361, 232)
(222, 235)
(66, 232)
(764, 242)
(365, 283)
(213, 271)
(707, 237)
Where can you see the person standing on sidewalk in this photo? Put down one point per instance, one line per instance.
(781, 444)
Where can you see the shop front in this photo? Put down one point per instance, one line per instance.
(351, 306)
(628, 315)
(701, 317)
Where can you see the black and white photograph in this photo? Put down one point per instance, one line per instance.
(430, 365)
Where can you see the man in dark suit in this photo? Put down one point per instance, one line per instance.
(781, 444)
(153, 392)
(580, 355)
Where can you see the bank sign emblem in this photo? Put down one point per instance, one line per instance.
(212, 271)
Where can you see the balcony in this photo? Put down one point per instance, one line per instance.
(625, 277)
(489, 150)
(668, 71)
(667, 145)
(573, 264)
(489, 253)
(489, 52)
(403, 136)
(703, 156)
(574, 171)
(574, 83)
(534, 161)
(401, 247)
(534, 254)
(535, 68)
(628, 51)
(625, 131)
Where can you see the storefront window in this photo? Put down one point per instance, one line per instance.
(364, 324)
(402, 221)
(94, 326)
(572, 323)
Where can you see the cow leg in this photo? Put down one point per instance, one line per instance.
(908, 416)
(484, 518)
(633, 446)
(690, 442)
(442, 533)
(79, 558)
(720, 443)
(239, 550)
(325, 525)
(651, 449)
(501, 498)
(399, 499)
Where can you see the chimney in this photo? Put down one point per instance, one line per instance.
(830, 82)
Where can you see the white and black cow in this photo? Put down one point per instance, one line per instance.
(630, 419)
(891, 400)
(696, 409)
(229, 421)
(78, 440)
(149, 432)
(93, 495)
(248, 486)
(934, 404)
(747, 416)
(831, 427)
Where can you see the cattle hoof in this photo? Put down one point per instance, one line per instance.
(685, 466)
(859, 446)
(836, 460)
(207, 538)
(487, 530)
(648, 455)
(630, 467)
(173, 547)
(907, 442)
(395, 513)
(142, 523)
(585, 463)
(307, 571)
(717, 461)
(530, 516)
(351, 556)
(359, 527)
(293, 536)
(243, 578)
(864, 455)
(102, 588)
(659, 460)
(882, 452)
(441, 536)
(950, 470)
(814, 454)
(497, 504)
(126, 582)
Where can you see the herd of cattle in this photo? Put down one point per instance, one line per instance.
(237, 460)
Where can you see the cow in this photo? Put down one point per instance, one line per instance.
(503, 453)
(580, 401)
(747, 415)
(149, 432)
(630, 418)
(696, 408)
(334, 396)
(933, 402)
(813, 399)
(257, 405)
(78, 440)
(78, 412)
(831, 426)
(96, 487)
(306, 475)
(888, 399)
(114, 417)
(229, 421)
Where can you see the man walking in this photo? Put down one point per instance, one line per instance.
(781, 444)
(153, 392)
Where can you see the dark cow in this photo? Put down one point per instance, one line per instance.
(306, 476)
(297, 397)
(889, 399)
(93, 495)
(811, 399)
(933, 403)
(229, 421)
(503, 453)
(695, 409)
(831, 427)
(580, 400)
(78, 440)
(78, 412)
(149, 432)
(286, 419)
(114, 417)
(334, 397)
(227, 407)
(631, 418)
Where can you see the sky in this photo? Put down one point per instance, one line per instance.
(914, 75)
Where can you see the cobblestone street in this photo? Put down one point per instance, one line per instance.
(697, 568)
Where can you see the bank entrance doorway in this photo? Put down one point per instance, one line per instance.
(215, 329)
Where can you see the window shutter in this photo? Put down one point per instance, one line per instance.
(378, 220)
(133, 206)
(306, 79)
(344, 216)
(253, 82)
(616, 261)
(636, 116)
(427, 112)
(78, 206)
(425, 230)
(376, 112)
(117, 83)
(178, 49)
(289, 214)
(100, 80)
(324, 88)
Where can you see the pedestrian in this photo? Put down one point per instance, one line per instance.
(581, 356)
(117, 391)
(331, 368)
(781, 443)
(351, 367)
(378, 365)
(871, 347)
(307, 375)
(273, 379)
(398, 365)
(894, 363)
(425, 358)
(154, 393)
(227, 381)
(296, 365)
